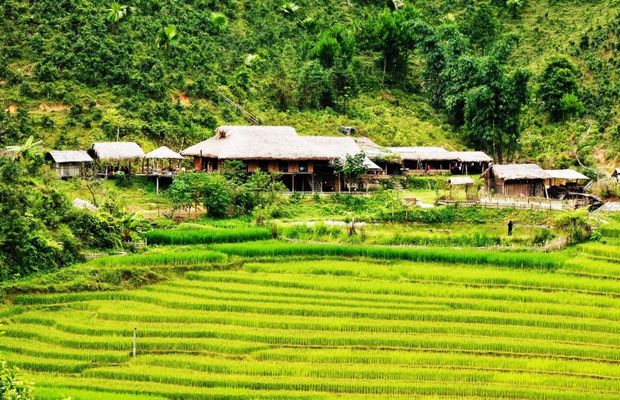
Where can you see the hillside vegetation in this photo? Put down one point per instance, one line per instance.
(455, 73)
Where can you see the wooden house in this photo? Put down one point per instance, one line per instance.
(111, 157)
(305, 163)
(470, 162)
(523, 180)
(69, 163)
(561, 182)
(419, 160)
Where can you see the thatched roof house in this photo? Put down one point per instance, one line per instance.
(257, 143)
(472, 156)
(68, 163)
(374, 151)
(516, 180)
(116, 151)
(339, 147)
(303, 161)
(163, 153)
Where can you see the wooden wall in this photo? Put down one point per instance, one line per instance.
(67, 170)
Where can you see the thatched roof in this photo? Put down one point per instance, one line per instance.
(460, 180)
(68, 156)
(373, 150)
(509, 172)
(472, 156)
(424, 153)
(567, 174)
(164, 153)
(340, 147)
(257, 143)
(116, 151)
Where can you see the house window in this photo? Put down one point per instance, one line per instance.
(303, 166)
(263, 166)
(283, 166)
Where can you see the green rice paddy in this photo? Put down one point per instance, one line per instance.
(280, 320)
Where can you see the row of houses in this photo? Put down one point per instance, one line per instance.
(111, 157)
(306, 162)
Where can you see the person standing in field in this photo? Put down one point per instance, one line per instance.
(510, 224)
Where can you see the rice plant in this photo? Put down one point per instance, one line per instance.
(198, 236)
(446, 255)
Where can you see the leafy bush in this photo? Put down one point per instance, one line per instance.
(12, 384)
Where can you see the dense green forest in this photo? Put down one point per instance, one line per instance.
(527, 79)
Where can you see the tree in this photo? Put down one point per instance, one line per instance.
(353, 167)
(25, 150)
(557, 81)
(492, 111)
(217, 195)
(480, 25)
(389, 33)
(264, 189)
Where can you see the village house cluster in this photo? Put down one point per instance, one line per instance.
(305, 163)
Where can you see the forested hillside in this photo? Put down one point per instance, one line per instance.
(527, 79)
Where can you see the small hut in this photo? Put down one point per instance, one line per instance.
(115, 156)
(561, 182)
(159, 156)
(69, 163)
(465, 181)
(524, 180)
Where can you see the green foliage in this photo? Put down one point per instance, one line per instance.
(353, 167)
(559, 90)
(12, 384)
(574, 225)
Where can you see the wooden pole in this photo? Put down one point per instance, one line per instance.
(157, 184)
(135, 332)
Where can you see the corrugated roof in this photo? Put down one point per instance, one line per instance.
(116, 151)
(568, 174)
(518, 171)
(340, 147)
(257, 143)
(164, 153)
(69, 156)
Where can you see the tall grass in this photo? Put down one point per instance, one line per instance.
(446, 255)
(185, 257)
(199, 236)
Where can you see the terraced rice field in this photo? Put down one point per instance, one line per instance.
(332, 328)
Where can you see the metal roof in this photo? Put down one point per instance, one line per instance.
(69, 156)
